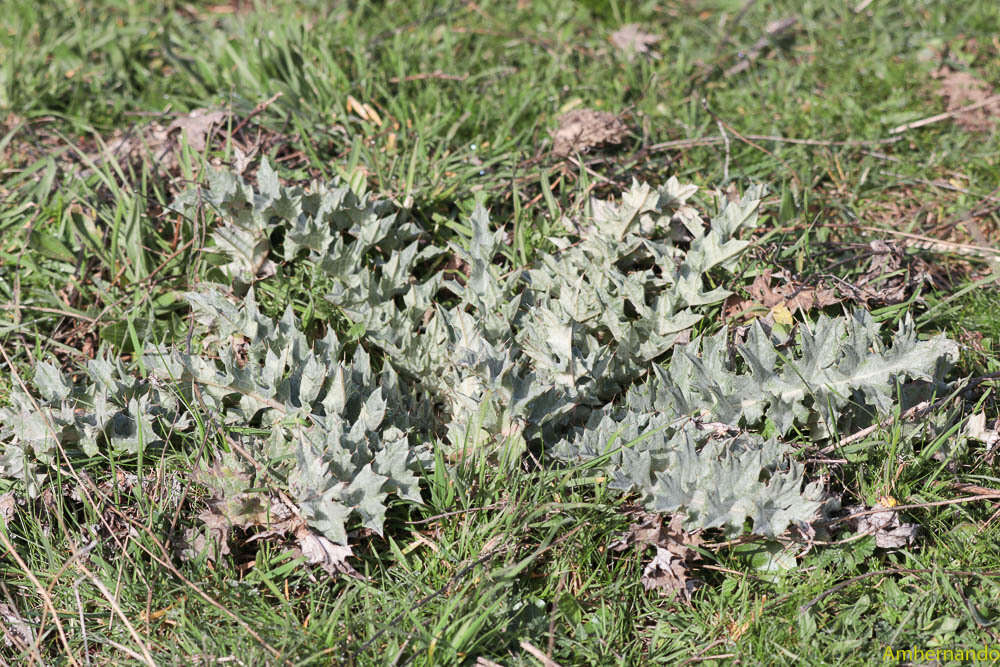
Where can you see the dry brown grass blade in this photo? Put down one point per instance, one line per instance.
(538, 654)
(87, 487)
(146, 657)
(916, 506)
(750, 142)
(880, 573)
(927, 243)
(992, 99)
(42, 593)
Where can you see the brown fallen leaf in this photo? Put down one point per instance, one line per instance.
(889, 532)
(889, 278)
(975, 429)
(669, 574)
(17, 632)
(212, 540)
(232, 505)
(961, 89)
(891, 275)
(648, 531)
(8, 502)
(159, 145)
(137, 143)
(630, 39)
(318, 550)
(789, 293)
(197, 125)
(670, 569)
(582, 129)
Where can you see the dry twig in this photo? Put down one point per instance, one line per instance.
(900, 570)
(750, 142)
(772, 31)
(538, 654)
(423, 76)
(945, 116)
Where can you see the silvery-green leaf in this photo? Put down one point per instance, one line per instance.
(366, 496)
(721, 482)
(311, 381)
(50, 382)
(267, 180)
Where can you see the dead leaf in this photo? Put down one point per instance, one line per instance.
(975, 429)
(235, 503)
(898, 537)
(213, 540)
(961, 89)
(648, 531)
(8, 501)
(363, 111)
(890, 276)
(631, 39)
(318, 550)
(669, 574)
(197, 125)
(791, 295)
(889, 532)
(582, 129)
(651, 531)
(160, 145)
(16, 631)
(242, 160)
(136, 143)
(156, 145)
(670, 569)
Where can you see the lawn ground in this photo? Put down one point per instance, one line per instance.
(436, 107)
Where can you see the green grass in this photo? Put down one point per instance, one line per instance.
(494, 557)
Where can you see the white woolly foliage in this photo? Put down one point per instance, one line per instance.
(521, 350)
(565, 353)
(342, 426)
(655, 441)
(110, 406)
(338, 431)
